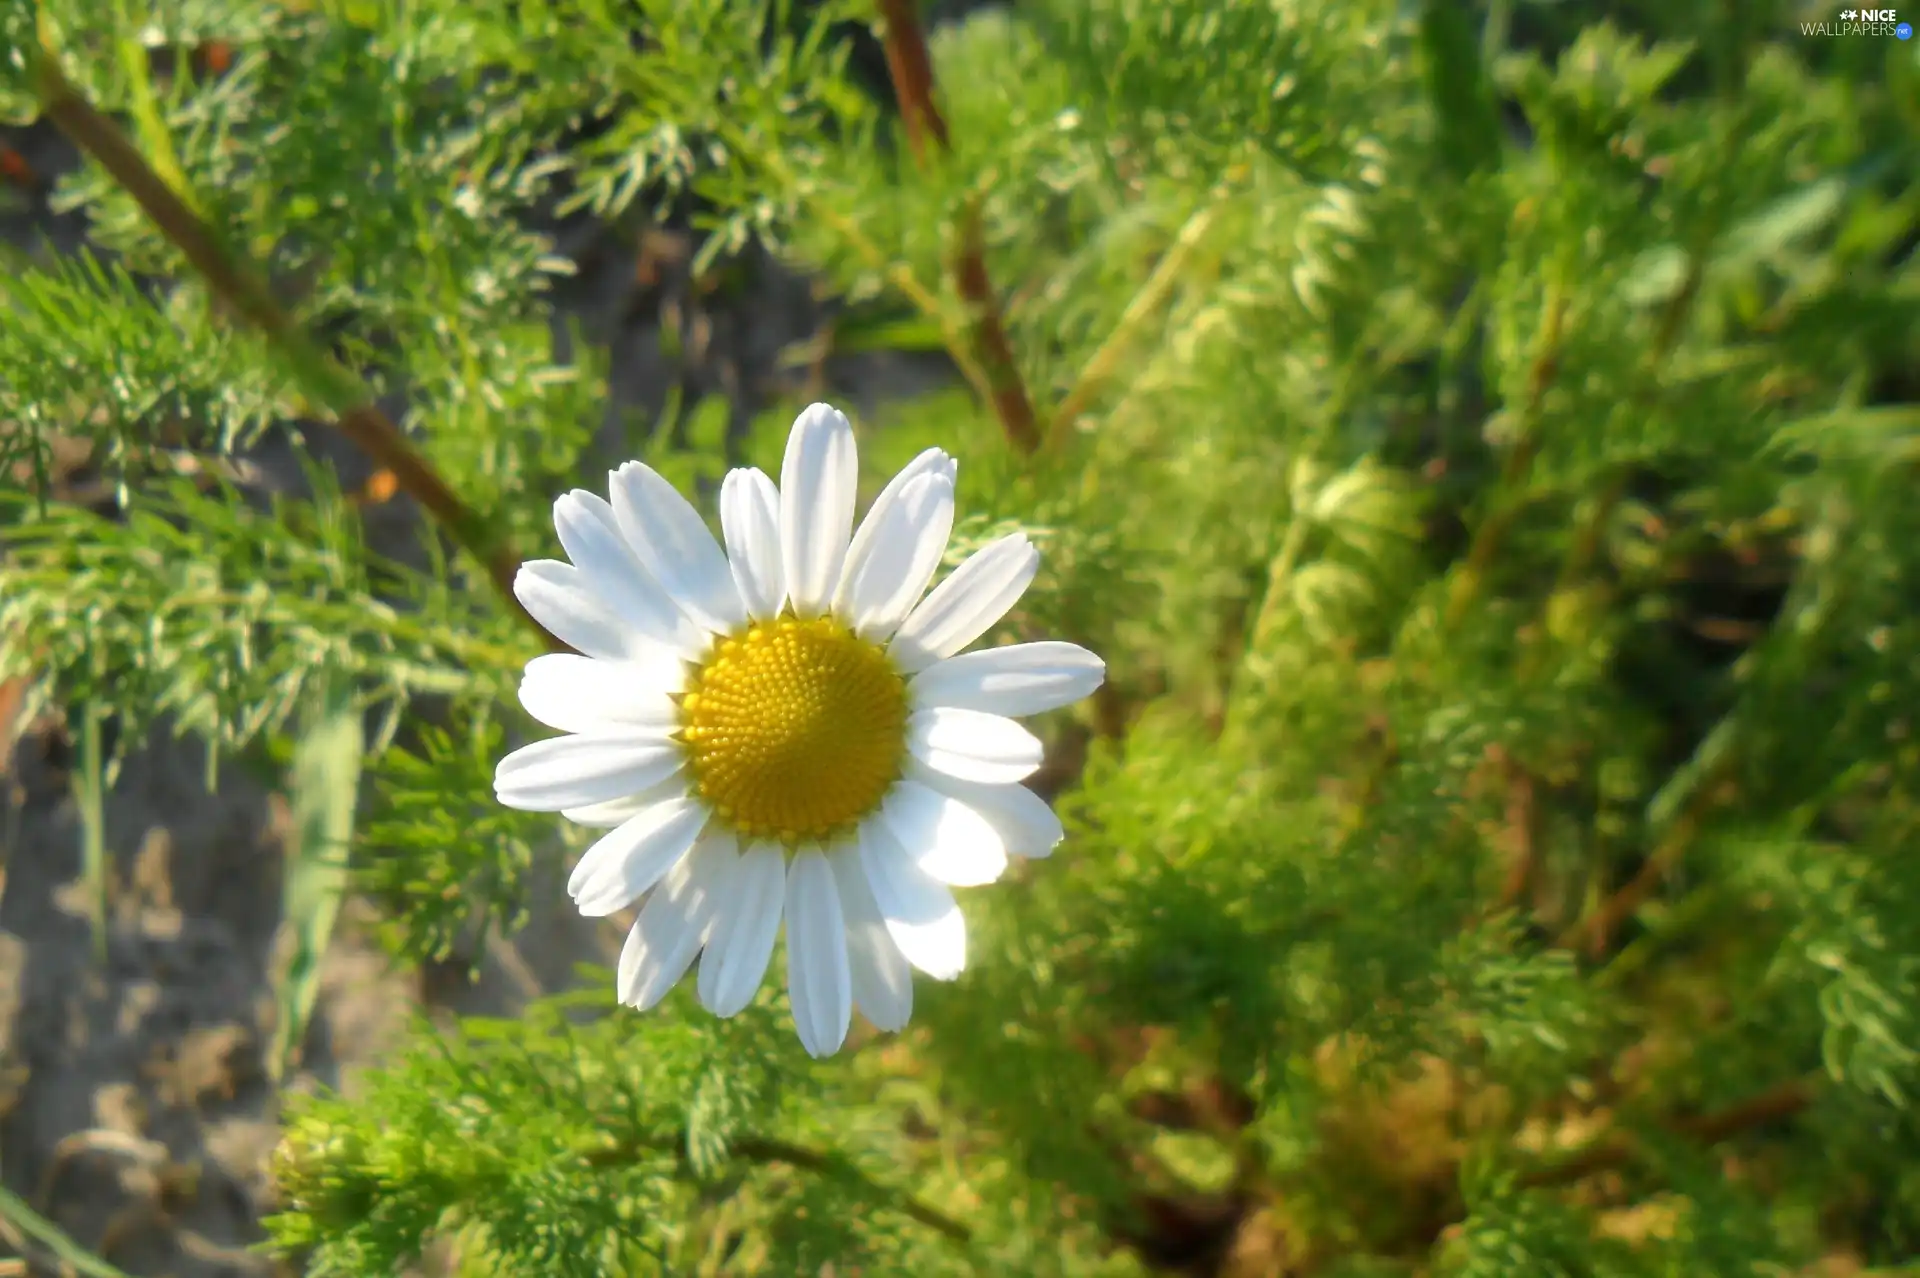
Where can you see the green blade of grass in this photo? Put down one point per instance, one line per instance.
(72, 1256)
(89, 797)
(325, 781)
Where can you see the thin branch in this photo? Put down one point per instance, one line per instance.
(1493, 529)
(1771, 1106)
(1522, 824)
(1107, 361)
(896, 273)
(1592, 933)
(835, 1166)
(239, 286)
(1596, 932)
(911, 70)
(990, 341)
(839, 1167)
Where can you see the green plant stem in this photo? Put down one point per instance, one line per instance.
(240, 287)
(767, 1149)
(1466, 586)
(1280, 578)
(144, 106)
(1146, 303)
(1593, 931)
(837, 1167)
(774, 167)
(1680, 809)
(89, 789)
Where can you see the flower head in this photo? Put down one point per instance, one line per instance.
(787, 728)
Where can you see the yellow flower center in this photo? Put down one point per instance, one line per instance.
(794, 729)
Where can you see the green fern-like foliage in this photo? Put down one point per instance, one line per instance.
(1480, 440)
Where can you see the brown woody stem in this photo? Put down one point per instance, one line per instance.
(240, 287)
(911, 70)
(1771, 1106)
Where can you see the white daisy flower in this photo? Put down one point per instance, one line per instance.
(786, 728)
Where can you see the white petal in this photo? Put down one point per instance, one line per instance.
(920, 914)
(743, 931)
(1024, 678)
(574, 771)
(632, 857)
(881, 980)
(817, 487)
(933, 461)
(579, 694)
(987, 748)
(604, 816)
(1026, 824)
(609, 569)
(619, 811)
(557, 596)
(671, 927)
(967, 604)
(750, 520)
(819, 984)
(676, 547)
(906, 551)
(946, 839)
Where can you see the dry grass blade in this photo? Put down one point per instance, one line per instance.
(325, 783)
